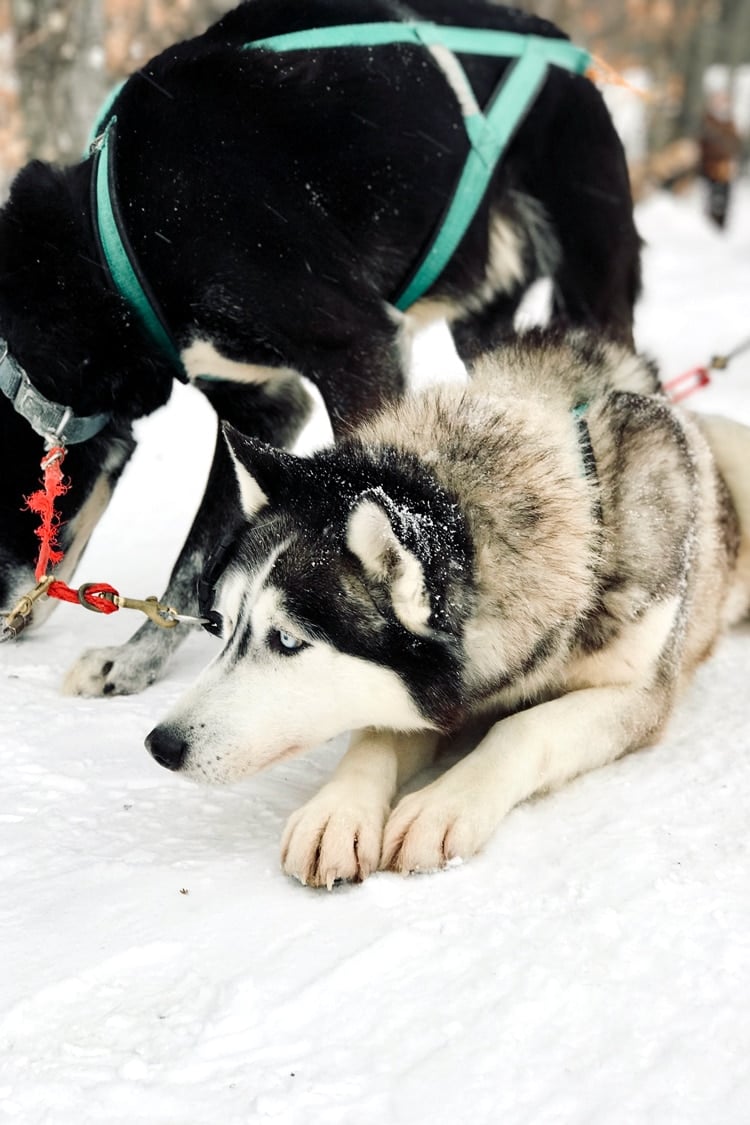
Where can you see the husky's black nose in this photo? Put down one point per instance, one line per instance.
(167, 747)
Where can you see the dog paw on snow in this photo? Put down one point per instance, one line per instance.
(333, 838)
(432, 829)
(117, 670)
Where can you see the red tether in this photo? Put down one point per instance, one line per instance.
(687, 383)
(98, 596)
(42, 502)
(95, 595)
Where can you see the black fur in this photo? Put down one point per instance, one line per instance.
(277, 204)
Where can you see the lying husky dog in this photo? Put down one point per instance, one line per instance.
(550, 550)
(254, 212)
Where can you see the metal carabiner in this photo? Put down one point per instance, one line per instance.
(19, 617)
(162, 615)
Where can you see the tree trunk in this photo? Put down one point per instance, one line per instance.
(738, 28)
(61, 73)
(701, 51)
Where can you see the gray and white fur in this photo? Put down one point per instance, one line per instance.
(477, 553)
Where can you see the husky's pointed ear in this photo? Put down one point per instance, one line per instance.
(371, 537)
(262, 470)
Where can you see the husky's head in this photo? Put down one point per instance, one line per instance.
(342, 604)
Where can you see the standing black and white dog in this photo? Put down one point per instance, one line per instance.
(548, 551)
(271, 204)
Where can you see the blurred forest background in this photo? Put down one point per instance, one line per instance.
(58, 59)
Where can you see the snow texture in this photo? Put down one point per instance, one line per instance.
(592, 966)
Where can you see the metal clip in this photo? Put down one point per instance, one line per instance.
(19, 617)
(162, 615)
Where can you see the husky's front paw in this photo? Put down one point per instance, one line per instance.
(333, 838)
(119, 670)
(432, 829)
(124, 669)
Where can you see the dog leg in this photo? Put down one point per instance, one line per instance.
(130, 667)
(529, 752)
(275, 414)
(337, 835)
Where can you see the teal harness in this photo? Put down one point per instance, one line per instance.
(489, 132)
(118, 254)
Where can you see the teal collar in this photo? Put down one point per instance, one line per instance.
(118, 254)
(489, 132)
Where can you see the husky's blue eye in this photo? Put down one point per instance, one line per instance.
(284, 642)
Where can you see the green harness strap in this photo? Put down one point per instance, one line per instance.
(489, 132)
(118, 256)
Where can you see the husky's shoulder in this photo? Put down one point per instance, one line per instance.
(507, 446)
(569, 367)
(542, 375)
(568, 559)
(508, 443)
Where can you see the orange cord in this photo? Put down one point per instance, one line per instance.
(603, 72)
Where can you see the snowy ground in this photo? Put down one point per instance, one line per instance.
(592, 966)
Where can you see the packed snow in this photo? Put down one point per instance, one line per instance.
(591, 966)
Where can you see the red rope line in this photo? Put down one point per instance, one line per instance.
(687, 384)
(98, 596)
(42, 503)
(95, 595)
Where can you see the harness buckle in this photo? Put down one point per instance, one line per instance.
(20, 615)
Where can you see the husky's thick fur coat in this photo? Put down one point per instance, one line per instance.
(276, 202)
(550, 550)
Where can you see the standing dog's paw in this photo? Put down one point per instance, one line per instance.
(333, 838)
(433, 828)
(119, 670)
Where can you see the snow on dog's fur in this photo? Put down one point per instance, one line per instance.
(476, 552)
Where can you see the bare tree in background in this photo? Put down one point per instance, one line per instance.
(138, 29)
(59, 58)
(672, 43)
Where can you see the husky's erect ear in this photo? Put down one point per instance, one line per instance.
(262, 470)
(371, 537)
